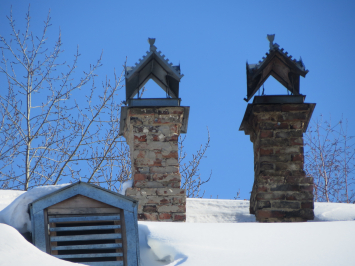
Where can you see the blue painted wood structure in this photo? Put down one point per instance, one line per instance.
(117, 224)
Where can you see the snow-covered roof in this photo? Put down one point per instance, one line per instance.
(218, 232)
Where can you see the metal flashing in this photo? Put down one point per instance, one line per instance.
(279, 99)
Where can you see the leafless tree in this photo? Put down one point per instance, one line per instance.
(55, 126)
(189, 170)
(330, 160)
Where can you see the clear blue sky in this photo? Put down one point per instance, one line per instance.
(212, 41)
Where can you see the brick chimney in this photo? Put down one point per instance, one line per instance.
(152, 134)
(281, 192)
(152, 127)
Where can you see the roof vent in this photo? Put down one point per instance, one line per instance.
(87, 224)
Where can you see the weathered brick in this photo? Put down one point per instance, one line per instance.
(297, 125)
(266, 134)
(294, 107)
(147, 184)
(270, 196)
(266, 166)
(171, 191)
(285, 187)
(269, 214)
(286, 204)
(179, 217)
(307, 214)
(172, 208)
(142, 138)
(307, 205)
(148, 216)
(272, 125)
(163, 170)
(266, 108)
(157, 200)
(171, 154)
(279, 166)
(179, 200)
(288, 149)
(296, 141)
(263, 204)
(289, 134)
(280, 142)
(265, 151)
(297, 157)
(150, 208)
(270, 179)
(275, 158)
(171, 177)
(140, 177)
(292, 117)
(165, 216)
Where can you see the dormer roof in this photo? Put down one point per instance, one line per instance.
(153, 66)
(278, 64)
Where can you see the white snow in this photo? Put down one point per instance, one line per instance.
(192, 244)
(8, 196)
(217, 232)
(16, 251)
(16, 214)
(126, 185)
(324, 211)
(218, 211)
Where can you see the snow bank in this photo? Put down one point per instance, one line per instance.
(16, 214)
(324, 211)
(192, 244)
(15, 250)
(218, 211)
(237, 211)
(8, 196)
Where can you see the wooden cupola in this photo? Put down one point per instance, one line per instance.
(87, 224)
(278, 64)
(153, 66)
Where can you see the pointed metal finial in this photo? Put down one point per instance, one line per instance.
(151, 42)
(271, 38)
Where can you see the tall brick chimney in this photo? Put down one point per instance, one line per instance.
(152, 128)
(281, 191)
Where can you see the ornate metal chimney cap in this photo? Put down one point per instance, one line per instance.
(154, 66)
(278, 64)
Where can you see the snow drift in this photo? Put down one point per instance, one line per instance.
(217, 232)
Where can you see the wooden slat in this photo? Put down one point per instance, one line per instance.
(83, 218)
(81, 210)
(93, 255)
(85, 237)
(84, 228)
(104, 263)
(53, 244)
(94, 246)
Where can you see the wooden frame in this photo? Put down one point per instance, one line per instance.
(83, 202)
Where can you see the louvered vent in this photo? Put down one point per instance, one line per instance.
(87, 239)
